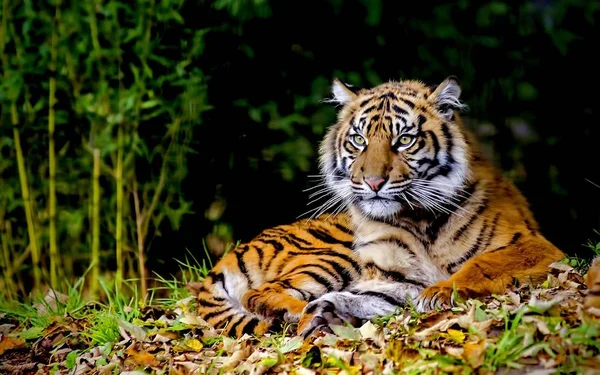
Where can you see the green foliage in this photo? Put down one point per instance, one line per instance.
(122, 90)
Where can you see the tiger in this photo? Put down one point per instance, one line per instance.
(429, 218)
(592, 281)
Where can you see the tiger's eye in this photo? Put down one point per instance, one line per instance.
(406, 139)
(358, 139)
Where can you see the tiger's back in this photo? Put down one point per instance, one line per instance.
(268, 280)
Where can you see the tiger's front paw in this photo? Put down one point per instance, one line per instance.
(440, 295)
(319, 316)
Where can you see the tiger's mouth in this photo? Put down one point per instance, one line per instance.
(378, 206)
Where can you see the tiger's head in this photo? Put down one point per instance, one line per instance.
(397, 145)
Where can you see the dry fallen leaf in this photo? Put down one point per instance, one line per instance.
(141, 357)
(8, 343)
(473, 353)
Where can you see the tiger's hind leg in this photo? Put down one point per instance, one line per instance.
(526, 261)
(275, 301)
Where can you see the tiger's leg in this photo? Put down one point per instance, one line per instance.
(364, 300)
(525, 261)
(304, 279)
(275, 301)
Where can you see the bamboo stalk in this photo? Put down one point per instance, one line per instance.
(141, 236)
(8, 269)
(119, 221)
(143, 216)
(119, 171)
(25, 194)
(95, 224)
(35, 255)
(54, 256)
(6, 261)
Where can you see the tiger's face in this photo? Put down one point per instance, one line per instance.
(396, 146)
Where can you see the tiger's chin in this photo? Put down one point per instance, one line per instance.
(379, 208)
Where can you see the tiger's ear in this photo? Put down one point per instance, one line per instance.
(342, 93)
(446, 97)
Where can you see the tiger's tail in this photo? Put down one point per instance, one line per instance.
(220, 307)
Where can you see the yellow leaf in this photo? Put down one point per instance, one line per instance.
(194, 344)
(456, 335)
(190, 345)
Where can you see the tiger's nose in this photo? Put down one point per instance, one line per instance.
(375, 182)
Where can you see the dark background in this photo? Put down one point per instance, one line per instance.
(526, 70)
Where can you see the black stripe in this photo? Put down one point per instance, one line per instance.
(286, 284)
(594, 293)
(515, 238)
(433, 230)
(295, 241)
(460, 232)
(408, 103)
(305, 268)
(344, 229)
(490, 236)
(527, 222)
(389, 299)
(218, 277)
(215, 313)
(365, 102)
(260, 256)
(276, 245)
(395, 275)
(320, 279)
(393, 241)
(311, 309)
(205, 303)
(221, 321)
(370, 109)
(469, 254)
(434, 141)
(399, 110)
(234, 323)
(296, 238)
(249, 327)
(342, 272)
(328, 238)
(448, 136)
(242, 265)
(389, 95)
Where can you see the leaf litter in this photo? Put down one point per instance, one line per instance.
(529, 329)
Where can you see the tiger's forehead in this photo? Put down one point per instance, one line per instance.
(389, 108)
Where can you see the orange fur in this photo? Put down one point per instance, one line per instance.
(592, 280)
